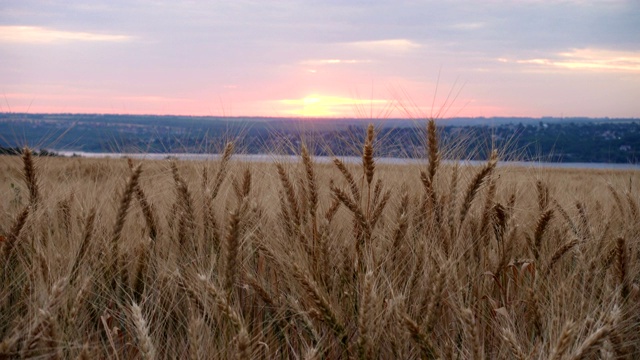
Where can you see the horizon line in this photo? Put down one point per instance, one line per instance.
(320, 117)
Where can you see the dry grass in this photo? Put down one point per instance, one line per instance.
(104, 258)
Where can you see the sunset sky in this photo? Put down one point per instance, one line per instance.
(336, 58)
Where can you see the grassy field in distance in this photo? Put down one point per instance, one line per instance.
(160, 259)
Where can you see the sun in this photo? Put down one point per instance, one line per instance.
(319, 106)
(312, 106)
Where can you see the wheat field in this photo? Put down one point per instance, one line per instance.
(121, 258)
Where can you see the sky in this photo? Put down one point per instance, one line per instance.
(334, 58)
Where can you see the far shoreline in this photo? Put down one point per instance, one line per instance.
(265, 158)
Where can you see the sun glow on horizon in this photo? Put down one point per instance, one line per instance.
(315, 106)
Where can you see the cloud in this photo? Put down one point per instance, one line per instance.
(40, 35)
(468, 26)
(395, 45)
(320, 62)
(151, 98)
(588, 60)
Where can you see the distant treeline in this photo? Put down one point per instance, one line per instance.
(547, 139)
(18, 151)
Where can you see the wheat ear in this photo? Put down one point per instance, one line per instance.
(85, 353)
(222, 170)
(290, 191)
(634, 211)
(196, 334)
(148, 212)
(312, 200)
(379, 208)
(431, 311)
(312, 186)
(368, 163)
(514, 347)
(327, 313)
(584, 221)
(592, 342)
(147, 349)
(222, 303)
(116, 271)
(30, 176)
(622, 267)
(560, 253)
(313, 354)
(351, 204)
(268, 299)
(563, 342)
(432, 149)
(187, 216)
(426, 347)
(400, 231)
(86, 238)
(541, 227)
(14, 233)
(353, 186)
(473, 330)
(243, 345)
(475, 184)
(543, 195)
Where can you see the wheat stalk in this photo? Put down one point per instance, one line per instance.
(365, 314)
(634, 211)
(233, 250)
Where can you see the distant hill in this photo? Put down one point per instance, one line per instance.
(547, 139)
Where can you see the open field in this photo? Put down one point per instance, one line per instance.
(221, 259)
